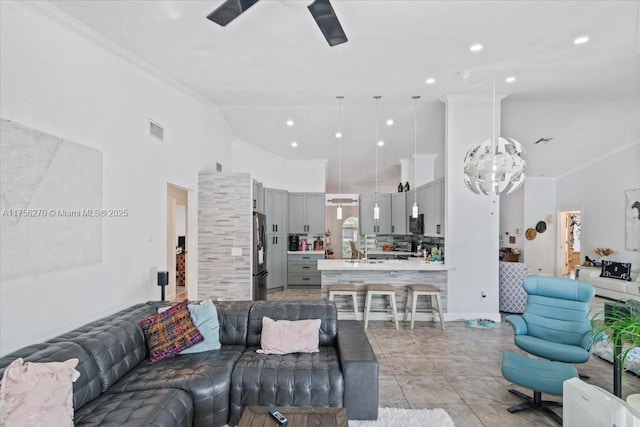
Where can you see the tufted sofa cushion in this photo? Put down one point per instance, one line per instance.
(233, 318)
(205, 376)
(116, 345)
(168, 407)
(296, 379)
(301, 310)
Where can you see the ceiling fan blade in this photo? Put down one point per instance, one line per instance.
(327, 20)
(230, 10)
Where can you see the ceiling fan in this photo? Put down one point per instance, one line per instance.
(321, 10)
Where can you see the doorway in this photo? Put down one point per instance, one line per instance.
(177, 244)
(570, 241)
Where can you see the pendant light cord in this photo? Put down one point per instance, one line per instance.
(339, 145)
(415, 145)
(493, 142)
(377, 140)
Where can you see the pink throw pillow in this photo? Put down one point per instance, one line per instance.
(289, 336)
(38, 394)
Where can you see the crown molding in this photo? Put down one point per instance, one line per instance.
(71, 23)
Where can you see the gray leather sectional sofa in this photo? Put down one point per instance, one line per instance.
(119, 386)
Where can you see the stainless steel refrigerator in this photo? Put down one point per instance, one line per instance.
(259, 257)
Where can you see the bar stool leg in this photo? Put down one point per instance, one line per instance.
(406, 306)
(355, 306)
(394, 309)
(367, 307)
(413, 308)
(439, 305)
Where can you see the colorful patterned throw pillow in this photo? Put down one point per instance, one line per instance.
(168, 333)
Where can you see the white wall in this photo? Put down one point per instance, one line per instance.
(59, 82)
(512, 218)
(471, 231)
(275, 172)
(540, 254)
(598, 189)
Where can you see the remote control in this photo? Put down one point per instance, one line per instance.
(281, 419)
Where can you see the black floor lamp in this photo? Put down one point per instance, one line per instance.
(163, 280)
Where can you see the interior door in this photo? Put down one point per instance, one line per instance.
(177, 223)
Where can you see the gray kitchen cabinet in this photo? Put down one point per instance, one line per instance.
(438, 199)
(368, 225)
(306, 213)
(277, 260)
(258, 196)
(431, 199)
(303, 269)
(429, 214)
(399, 213)
(276, 208)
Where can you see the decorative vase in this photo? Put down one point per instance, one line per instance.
(400, 188)
(407, 187)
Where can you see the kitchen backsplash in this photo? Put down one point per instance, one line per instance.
(375, 242)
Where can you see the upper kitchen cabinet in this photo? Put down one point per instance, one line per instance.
(434, 208)
(399, 213)
(368, 225)
(276, 208)
(429, 210)
(306, 213)
(258, 197)
(439, 199)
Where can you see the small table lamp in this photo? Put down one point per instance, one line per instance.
(163, 280)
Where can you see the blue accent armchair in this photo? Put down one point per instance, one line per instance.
(555, 324)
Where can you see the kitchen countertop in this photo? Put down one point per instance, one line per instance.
(306, 252)
(381, 265)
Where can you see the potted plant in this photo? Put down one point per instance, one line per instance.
(622, 325)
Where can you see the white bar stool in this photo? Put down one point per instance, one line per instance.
(380, 290)
(415, 291)
(345, 290)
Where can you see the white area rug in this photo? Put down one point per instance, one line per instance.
(396, 417)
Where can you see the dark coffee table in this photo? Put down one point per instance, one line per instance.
(254, 416)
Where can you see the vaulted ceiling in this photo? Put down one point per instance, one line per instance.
(272, 64)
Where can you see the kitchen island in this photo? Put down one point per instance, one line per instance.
(398, 273)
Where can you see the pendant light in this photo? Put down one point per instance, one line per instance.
(496, 165)
(339, 136)
(414, 210)
(376, 207)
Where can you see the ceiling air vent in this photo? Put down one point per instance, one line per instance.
(156, 130)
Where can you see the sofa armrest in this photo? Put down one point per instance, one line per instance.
(359, 370)
(518, 323)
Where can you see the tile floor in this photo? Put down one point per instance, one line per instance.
(457, 369)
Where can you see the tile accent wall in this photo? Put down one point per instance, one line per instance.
(224, 222)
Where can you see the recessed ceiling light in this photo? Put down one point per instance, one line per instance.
(380, 143)
(510, 79)
(289, 122)
(338, 135)
(430, 81)
(581, 40)
(294, 144)
(390, 122)
(476, 47)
